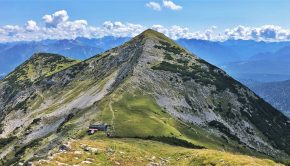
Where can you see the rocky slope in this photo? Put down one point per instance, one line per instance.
(147, 88)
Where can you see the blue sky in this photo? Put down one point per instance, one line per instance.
(196, 15)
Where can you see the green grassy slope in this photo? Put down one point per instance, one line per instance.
(145, 152)
(136, 115)
(40, 65)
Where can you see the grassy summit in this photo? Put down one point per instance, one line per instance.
(40, 65)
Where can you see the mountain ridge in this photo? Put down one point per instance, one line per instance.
(224, 54)
(148, 80)
(55, 64)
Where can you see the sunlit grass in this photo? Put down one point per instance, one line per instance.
(141, 152)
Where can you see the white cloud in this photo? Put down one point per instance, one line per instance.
(154, 6)
(9, 30)
(31, 26)
(56, 18)
(265, 33)
(171, 5)
(58, 26)
(209, 33)
(177, 32)
(120, 29)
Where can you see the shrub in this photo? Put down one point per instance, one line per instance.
(5, 141)
(69, 117)
(222, 128)
(175, 141)
(168, 56)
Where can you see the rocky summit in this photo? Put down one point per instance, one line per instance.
(149, 89)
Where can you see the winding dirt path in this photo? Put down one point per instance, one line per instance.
(113, 115)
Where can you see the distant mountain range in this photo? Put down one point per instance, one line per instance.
(276, 93)
(265, 66)
(245, 59)
(13, 54)
(214, 52)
